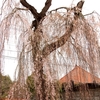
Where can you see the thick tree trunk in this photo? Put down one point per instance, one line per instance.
(39, 80)
(39, 55)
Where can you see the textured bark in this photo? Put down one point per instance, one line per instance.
(39, 80)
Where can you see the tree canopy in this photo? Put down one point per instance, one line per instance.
(5, 84)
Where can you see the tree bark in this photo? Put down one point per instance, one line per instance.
(39, 80)
(60, 42)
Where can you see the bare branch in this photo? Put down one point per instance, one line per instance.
(89, 13)
(60, 8)
(46, 7)
(21, 8)
(37, 16)
(80, 4)
(31, 8)
(60, 42)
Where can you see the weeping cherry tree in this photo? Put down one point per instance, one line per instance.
(49, 42)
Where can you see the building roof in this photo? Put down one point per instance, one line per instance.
(79, 75)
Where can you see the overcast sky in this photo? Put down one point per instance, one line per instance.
(89, 6)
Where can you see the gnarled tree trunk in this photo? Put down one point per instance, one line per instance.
(40, 55)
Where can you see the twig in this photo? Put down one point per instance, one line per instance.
(89, 13)
(21, 8)
(60, 8)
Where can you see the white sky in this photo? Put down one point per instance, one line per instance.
(89, 6)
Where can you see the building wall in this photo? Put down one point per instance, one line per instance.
(93, 94)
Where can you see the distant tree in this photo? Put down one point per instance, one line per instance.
(31, 87)
(5, 83)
